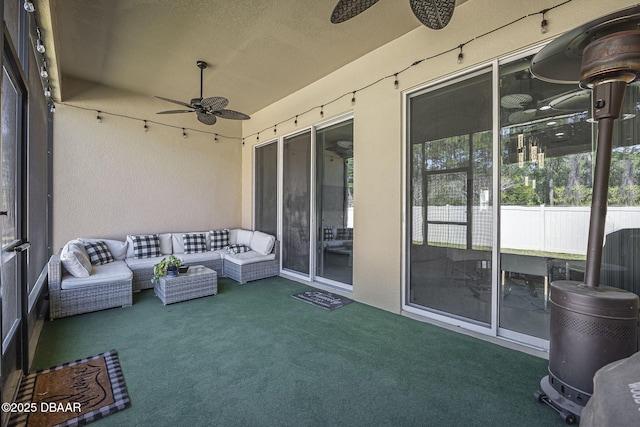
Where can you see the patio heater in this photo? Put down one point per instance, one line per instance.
(591, 325)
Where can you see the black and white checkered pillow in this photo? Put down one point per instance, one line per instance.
(98, 252)
(237, 249)
(344, 234)
(328, 233)
(146, 246)
(219, 239)
(194, 243)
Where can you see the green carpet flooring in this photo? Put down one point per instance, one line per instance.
(254, 356)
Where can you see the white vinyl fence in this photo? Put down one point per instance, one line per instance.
(536, 228)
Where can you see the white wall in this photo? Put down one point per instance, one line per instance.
(111, 178)
(378, 119)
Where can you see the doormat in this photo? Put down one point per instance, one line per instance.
(72, 394)
(323, 299)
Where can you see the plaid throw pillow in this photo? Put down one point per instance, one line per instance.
(219, 239)
(98, 252)
(344, 234)
(194, 243)
(146, 246)
(328, 233)
(237, 249)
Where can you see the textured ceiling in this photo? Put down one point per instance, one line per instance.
(258, 51)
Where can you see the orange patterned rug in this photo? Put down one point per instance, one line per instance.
(72, 394)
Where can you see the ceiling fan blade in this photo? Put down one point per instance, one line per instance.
(230, 114)
(347, 9)
(207, 119)
(175, 111)
(215, 102)
(175, 102)
(434, 14)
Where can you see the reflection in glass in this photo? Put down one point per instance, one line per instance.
(296, 206)
(450, 204)
(334, 206)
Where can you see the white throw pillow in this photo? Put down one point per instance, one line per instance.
(117, 248)
(75, 260)
(166, 246)
(262, 242)
(233, 236)
(244, 237)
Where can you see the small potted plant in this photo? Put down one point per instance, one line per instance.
(167, 264)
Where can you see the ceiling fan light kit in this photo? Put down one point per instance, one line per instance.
(207, 109)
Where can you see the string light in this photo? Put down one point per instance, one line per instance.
(52, 108)
(43, 71)
(353, 98)
(98, 118)
(295, 122)
(28, 6)
(146, 128)
(39, 45)
(322, 111)
(275, 130)
(258, 137)
(395, 82)
(184, 133)
(47, 92)
(215, 138)
(544, 24)
(460, 55)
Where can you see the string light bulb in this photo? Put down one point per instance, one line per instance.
(395, 82)
(52, 108)
(544, 24)
(275, 129)
(460, 55)
(28, 6)
(47, 91)
(353, 97)
(98, 118)
(40, 46)
(322, 111)
(43, 71)
(184, 133)
(215, 138)
(258, 137)
(146, 128)
(295, 122)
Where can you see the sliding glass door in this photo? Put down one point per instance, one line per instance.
(449, 201)
(296, 203)
(334, 203)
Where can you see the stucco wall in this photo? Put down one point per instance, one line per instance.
(112, 178)
(378, 119)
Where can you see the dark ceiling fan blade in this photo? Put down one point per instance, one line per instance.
(230, 114)
(347, 9)
(215, 102)
(175, 111)
(434, 14)
(175, 102)
(207, 119)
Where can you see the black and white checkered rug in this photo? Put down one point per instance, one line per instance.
(72, 394)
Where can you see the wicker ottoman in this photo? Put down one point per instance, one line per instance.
(198, 281)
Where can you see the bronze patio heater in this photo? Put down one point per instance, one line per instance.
(591, 325)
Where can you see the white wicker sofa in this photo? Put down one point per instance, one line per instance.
(95, 274)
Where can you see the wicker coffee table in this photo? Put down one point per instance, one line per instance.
(198, 281)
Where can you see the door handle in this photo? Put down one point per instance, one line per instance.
(4, 213)
(23, 247)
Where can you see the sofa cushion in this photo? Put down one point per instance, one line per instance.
(194, 243)
(262, 242)
(98, 252)
(249, 257)
(243, 237)
(166, 244)
(219, 239)
(146, 246)
(237, 249)
(115, 271)
(118, 248)
(178, 241)
(141, 263)
(75, 260)
(200, 257)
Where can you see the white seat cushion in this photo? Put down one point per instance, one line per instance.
(248, 257)
(199, 257)
(115, 271)
(137, 264)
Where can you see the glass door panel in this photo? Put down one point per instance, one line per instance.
(296, 203)
(450, 159)
(266, 188)
(334, 202)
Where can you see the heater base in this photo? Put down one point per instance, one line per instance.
(569, 411)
